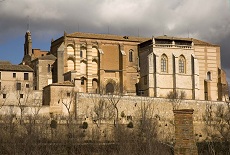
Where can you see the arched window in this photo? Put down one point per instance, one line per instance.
(82, 81)
(109, 88)
(130, 55)
(95, 85)
(209, 75)
(181, 64)
(81, 54)
(164, 61)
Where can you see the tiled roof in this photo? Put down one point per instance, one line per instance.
(107, 37)
(22, 68)
(202, 43)
(2, 62)
(135, 39)
(195, 41)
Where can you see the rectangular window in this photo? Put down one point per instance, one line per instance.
(27, 86)
(21, 95)
(18, 86)
(68, 94)
(0, 75)
(3, 95)
(14, 75)
(26, 76)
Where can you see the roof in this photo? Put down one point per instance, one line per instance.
(195, 41)
(2, 62)
(202, 43)
(47, 57)
(17, 68)
(107, 37)
(38, 53)
(132, 38)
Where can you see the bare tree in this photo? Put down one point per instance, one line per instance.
(23, 93)
(36, 106)
(217, 126)
(4, 92)
(102, 110)
(114, 95)
(175, 97)
(67, 98)
(141, 137)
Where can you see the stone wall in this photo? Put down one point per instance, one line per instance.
(129, 110)
(160, 108)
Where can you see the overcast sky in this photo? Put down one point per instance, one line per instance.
(208, 20)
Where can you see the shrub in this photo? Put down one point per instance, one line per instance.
(53, 124)
(84, 125)
(130, 125)
(122, 114)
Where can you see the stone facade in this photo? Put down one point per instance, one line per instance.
(60, 97)
(16, 85)
(43, 67)
(40, 61)
(154, 67)
(91, 60)
(170, 64)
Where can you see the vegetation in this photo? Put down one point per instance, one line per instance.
(175, 97)
(217, 121)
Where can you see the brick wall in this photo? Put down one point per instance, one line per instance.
(184, 135)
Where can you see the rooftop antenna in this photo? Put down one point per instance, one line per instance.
(28, 23)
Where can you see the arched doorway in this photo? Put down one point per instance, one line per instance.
(95, 85)
(83, 84)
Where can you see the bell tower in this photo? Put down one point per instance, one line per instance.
(28, 44)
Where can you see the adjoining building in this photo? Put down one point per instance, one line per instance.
(16, 83)
(43, 67)
(40, 61)
(171, 64)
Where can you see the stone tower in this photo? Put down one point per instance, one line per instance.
(28, 44)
